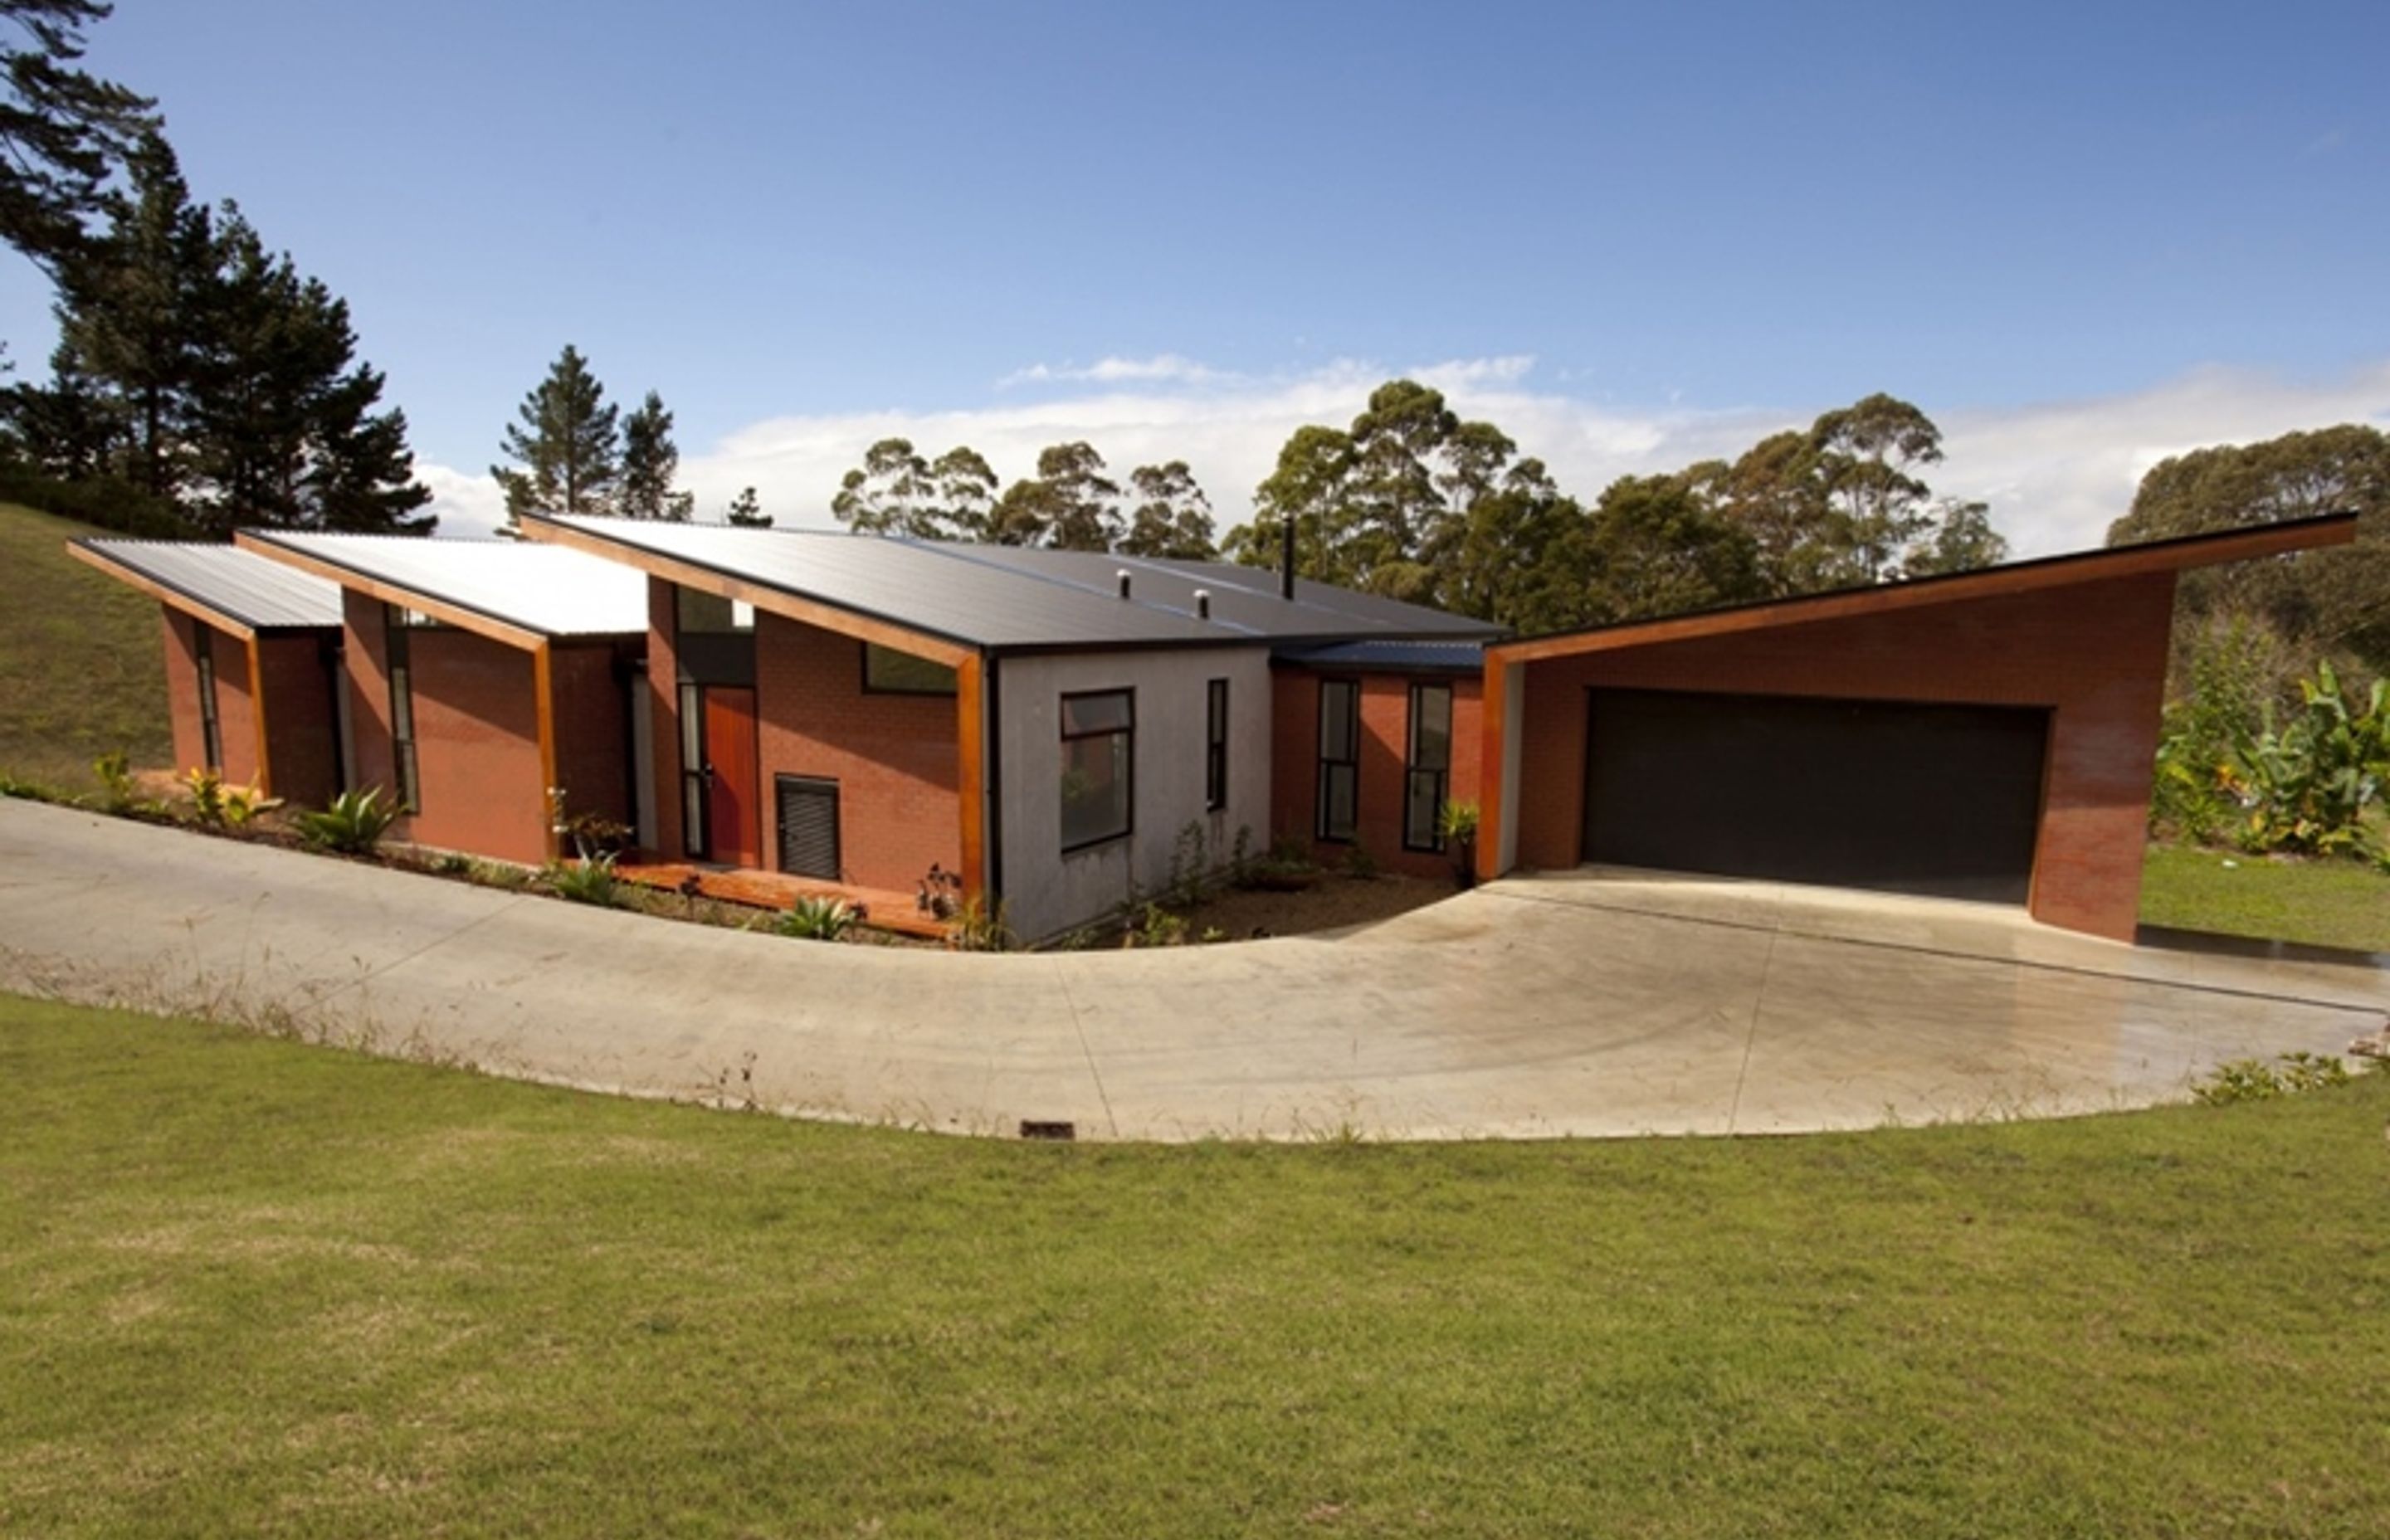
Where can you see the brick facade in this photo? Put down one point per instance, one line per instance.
(236, 725)
(303, 739)
(1385, 746)
(2094, 653)
(593, 729)
(894, 757)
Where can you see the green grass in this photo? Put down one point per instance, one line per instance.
(2337, 903)
(81, 668)
(250, 1287)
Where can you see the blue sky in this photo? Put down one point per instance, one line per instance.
(2079, 237)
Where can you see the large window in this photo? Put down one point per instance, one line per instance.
(1339, 759)
(1216, 745)
(1099, 766)
(399, 658)
(1427, 767)
(210, 731)
(889, 672)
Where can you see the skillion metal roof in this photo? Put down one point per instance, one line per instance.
(542, 588)
(1399, 657)
(262, 594)
(1009, 598)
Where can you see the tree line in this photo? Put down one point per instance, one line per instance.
(1413, 502)
(201, 380)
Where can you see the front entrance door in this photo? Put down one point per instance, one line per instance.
(732, 821)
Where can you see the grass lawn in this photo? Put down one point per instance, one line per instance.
(2323, 903)
(248, 1286)
(81, 668)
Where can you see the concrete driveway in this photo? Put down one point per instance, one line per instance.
(1588, 1003)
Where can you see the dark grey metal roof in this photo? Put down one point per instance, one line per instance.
(262, 594)
(1400, 657)
(1007, 598)
(543, 588)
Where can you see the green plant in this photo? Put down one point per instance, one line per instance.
(27, 790)
(1458, 823)
(492, 874)
(979, 928)
(114, 770)
(207, 788)
(243, 804)
(590, 881)
(1240, 853)
(818, 919)
(2310, 785)
(2256, 1080)
(2231, 671)
(1189, 866)
(1358, 862)
(1152, 925)
(352, 825)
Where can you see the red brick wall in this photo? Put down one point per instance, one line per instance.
(301, 735)
(476, 733)
(593, 745)
(895, 756)
(1385, 741)
(2096, 653)
(235, 727)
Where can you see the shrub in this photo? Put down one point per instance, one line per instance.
(352, 825)
(1358, 861)
(114, 770)
(818, 919)
(584, 881)
(1189, 866)
(207, 794)
(1154, 926)
(980, 928)
(2255, 1080)
(2310, 785)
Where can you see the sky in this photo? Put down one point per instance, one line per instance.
(2081, 236)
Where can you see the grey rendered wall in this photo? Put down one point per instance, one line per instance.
(1046, 892)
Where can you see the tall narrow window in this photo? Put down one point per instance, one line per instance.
(1339, 759)
(692, 769)
(1427, 768)
(1216, 745)
(399, 654)
(1098, 768)
(210, 731)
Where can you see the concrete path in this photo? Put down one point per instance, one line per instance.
(1584, 1004)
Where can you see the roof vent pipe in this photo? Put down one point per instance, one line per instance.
(1121, 577)
(1202, 604)
(1286, 558)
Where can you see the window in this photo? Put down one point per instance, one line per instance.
(692, 769)
(1339, 759)
(1427, 768)
(399, 655)
(697, 611)
(889, 672)
(1099, 766)
(210, 731)
(1215, 746)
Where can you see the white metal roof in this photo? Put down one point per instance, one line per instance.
(543, 588)
(260, 593)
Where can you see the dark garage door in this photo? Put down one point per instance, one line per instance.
(1914, 799)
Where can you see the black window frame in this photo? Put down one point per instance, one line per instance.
(1216, 745)
(1327, 767)
(865, 651)
(398, 664)
(204, 658)
(1128, 694)
(1413, 769)
(695, 793)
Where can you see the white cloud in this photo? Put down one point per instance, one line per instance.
(2054, 473)
(1170, 368)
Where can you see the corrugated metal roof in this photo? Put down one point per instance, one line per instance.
(543, 588)
(1455, 657)
(254, 590)
(1006, 596)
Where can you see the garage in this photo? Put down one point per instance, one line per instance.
(1902, 797)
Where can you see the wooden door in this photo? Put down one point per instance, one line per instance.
(732, 821)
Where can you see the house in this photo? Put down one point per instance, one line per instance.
(1050, 730)
(1988, 734)
(483, 679)
(252, 652)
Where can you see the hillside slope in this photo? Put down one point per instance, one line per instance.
(82, 671)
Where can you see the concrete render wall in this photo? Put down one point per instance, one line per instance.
(1046, 891)
(1385, 749)
(895, 757)
(2094, 653)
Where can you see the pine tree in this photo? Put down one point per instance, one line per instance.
(61, 129)
(649, 462)
(564, 443)
(748, 513)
